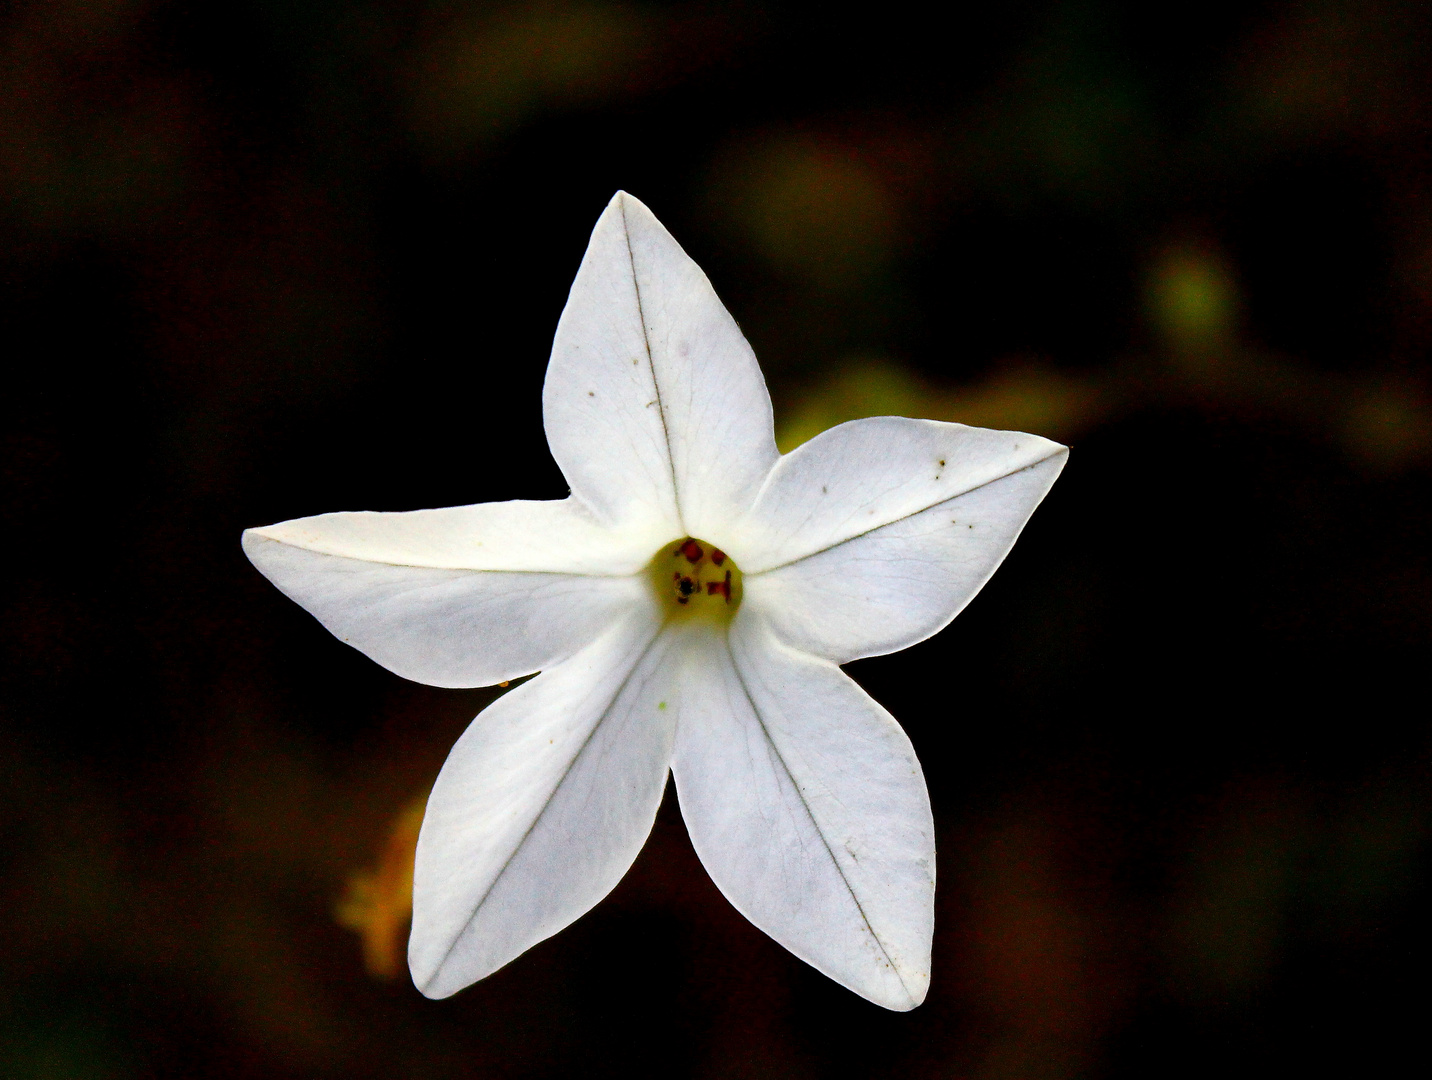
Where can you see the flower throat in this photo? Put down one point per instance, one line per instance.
(697, 579)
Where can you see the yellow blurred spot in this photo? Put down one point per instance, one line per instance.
(866, 388)
(1022, 397)
(1193, 305)
(378, 903)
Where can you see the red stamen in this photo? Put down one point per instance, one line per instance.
(720, 588)
(692, 550)
(718, 556)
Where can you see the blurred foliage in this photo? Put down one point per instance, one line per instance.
(265, 259)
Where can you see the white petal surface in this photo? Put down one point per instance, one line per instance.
(807, 806)
(895, 585)
(654, 404)
(557, 537)
(541, 807)
(865, 474)
(464, 596)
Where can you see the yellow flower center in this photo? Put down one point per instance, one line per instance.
(696, 580)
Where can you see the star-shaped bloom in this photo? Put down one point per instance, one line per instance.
(687, 607)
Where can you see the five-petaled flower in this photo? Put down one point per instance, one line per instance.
(687, 607)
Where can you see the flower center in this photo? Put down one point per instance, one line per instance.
(697, 579)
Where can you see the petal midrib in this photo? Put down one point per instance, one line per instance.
(370, 561)
(815, 822)
(641, 655)
(651, 366)
(905, 516)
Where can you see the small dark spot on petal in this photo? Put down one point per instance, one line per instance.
(942, 463)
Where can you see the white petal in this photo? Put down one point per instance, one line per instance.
(862, 475)
(464, 596)
(556, 537)
(885, 589)
(655, 407)
(807, 806)
(540, 809)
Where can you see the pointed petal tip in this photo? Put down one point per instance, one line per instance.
(1053, 447)
(916, 996)
(905, 992)
(259, 544)
(256, 533)
(429, 979)
(252, 539)
(907, 998)
(432, 989)
(625, 203)
(622, 211)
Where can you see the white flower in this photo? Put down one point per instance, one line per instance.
(688, 607)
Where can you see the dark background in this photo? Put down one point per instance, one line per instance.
(266, 258)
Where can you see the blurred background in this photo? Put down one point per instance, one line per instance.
(264, 259)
